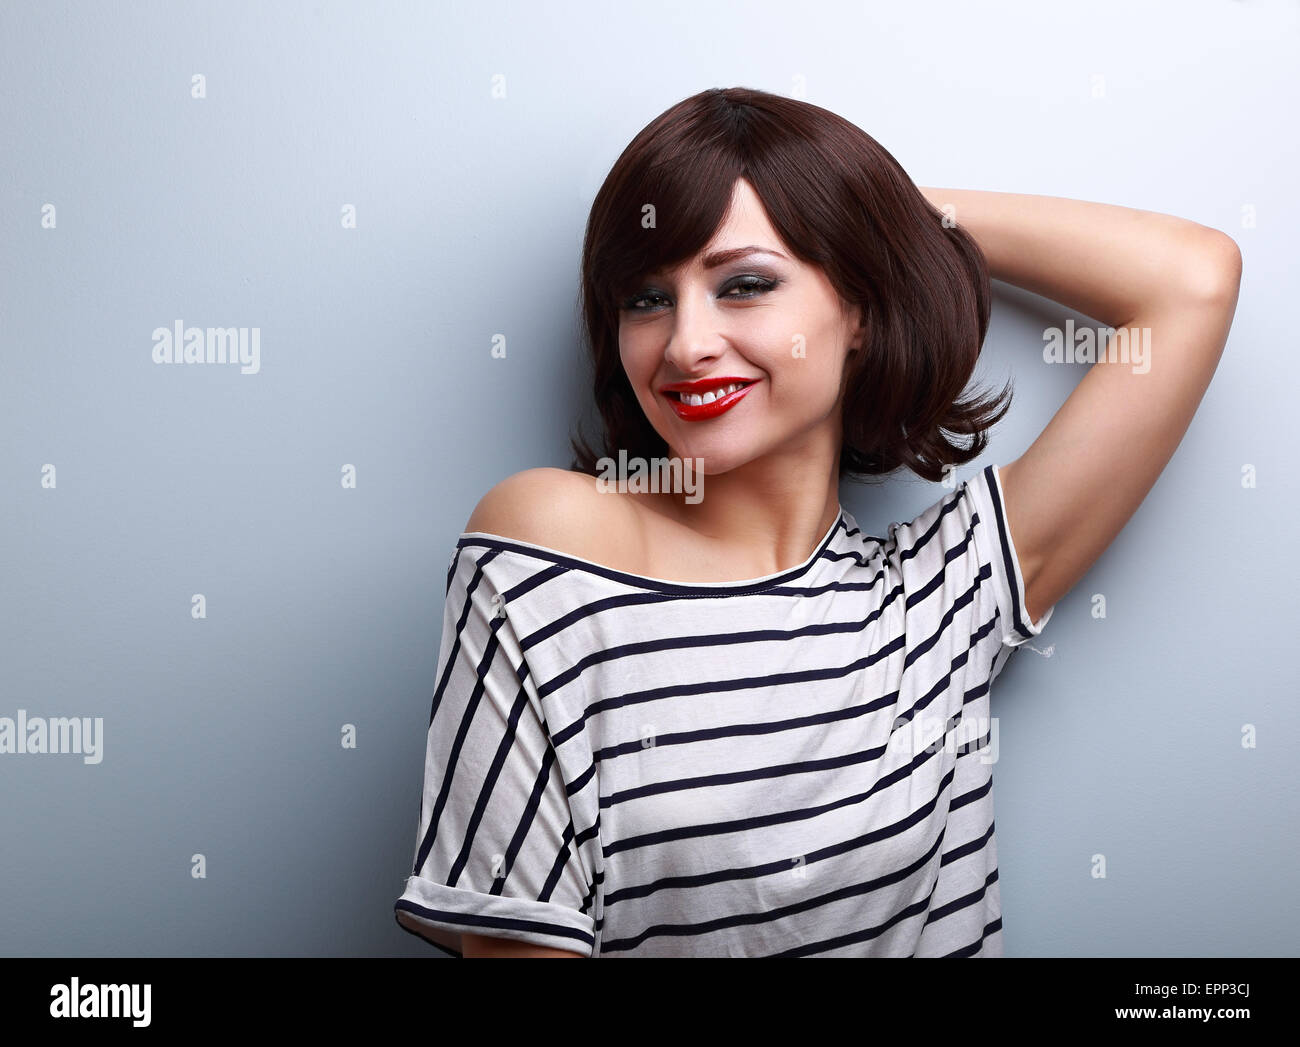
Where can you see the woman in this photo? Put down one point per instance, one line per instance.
(712, 717)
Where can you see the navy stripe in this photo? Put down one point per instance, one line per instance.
(680, 589)
(681, 643)
(478, 922)
(462, 732)
(641, 599)
(525, 821)
(974, 948)
(489, 785)
(404, 906)
(741, 730)
(1008, 560)
(460, 630)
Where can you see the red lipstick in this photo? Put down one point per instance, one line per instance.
(698, 412)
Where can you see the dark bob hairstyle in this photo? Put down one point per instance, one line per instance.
(840, 202)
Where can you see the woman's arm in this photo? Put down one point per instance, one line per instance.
(1160, 281)
(477, 946)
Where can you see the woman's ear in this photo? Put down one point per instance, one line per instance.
(859, 333)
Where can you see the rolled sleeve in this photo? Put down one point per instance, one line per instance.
(496, 852)
(998, 550)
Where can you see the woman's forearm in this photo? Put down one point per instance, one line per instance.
(1108, 262)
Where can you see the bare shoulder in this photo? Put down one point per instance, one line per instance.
(556, 508)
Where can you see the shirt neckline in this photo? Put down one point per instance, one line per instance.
(642, 581)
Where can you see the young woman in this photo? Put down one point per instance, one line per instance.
(716, 718)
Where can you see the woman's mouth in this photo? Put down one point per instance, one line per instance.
(708, 398)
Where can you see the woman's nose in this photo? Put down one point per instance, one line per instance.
(696, 337)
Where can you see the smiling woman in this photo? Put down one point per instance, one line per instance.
(811, 228)
(736, 724)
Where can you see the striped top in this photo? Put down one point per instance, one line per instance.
(794, 765)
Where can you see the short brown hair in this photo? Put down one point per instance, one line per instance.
(841, 203)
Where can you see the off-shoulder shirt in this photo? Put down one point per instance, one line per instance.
(793, 765)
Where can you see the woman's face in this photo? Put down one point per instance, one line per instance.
(760, 317)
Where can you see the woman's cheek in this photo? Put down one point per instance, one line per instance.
(809, 392)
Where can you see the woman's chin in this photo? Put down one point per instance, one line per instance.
(714, 461)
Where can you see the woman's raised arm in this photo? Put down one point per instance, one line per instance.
(1168, 287)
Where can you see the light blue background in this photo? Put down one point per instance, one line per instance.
(222, 736)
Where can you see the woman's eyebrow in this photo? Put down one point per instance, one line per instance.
(717, 259)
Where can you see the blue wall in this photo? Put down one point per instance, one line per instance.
(222, 734)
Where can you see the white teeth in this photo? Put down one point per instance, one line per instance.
(699, 400)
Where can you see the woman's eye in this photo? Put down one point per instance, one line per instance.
(631, 303)
(752, 284)
(751, 287)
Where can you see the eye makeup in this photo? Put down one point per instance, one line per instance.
(751, 285)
